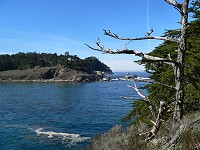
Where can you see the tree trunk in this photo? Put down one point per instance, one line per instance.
(179, 67)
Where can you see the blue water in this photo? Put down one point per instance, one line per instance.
(87, 109)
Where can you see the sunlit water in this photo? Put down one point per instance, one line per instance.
(73, 113)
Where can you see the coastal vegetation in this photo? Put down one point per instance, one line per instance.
(24, 61)
(45, 67)
(168, 118)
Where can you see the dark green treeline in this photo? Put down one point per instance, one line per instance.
(23, 61)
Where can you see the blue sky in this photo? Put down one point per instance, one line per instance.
(57, 26)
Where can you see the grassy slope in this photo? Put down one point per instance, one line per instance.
(184, 137)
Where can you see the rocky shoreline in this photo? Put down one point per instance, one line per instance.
(49, 74)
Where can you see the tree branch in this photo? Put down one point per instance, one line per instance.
(136, 53)
(147, 37)
(173, 64)
(156, 125)
(146, 99)
(174, 3)
(138, 92)
(129, 98)
(149, 81)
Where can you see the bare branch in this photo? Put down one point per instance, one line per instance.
(149, 33)
(153, 122)
(130, 98)
(147, 81)
(150, 81)
(146, 99)
(156, 125)
(149, 71)
(174, 3)
(158, 122)
(173, 64)
(138, 92)
(147, 37)
(134, 52)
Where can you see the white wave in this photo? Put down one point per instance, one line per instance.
(71, 138)
(116, 79)
(67, 138)
(50, 134)
(143, 78)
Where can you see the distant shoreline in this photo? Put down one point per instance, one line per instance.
(50, 74)
(36, 81)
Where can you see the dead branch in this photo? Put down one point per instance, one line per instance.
(147, 81)
(149, 33)
(138, 92)
(146, 99)
(173, 65)
(130, 98)
(147, 37)
(150, 81)
(156, 125)
(174, 3)
(136, 53)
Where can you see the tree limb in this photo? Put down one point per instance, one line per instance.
(173, 64)
(130, 98)
(156, 125)
(150, 81)
(138, 92)
(136, 53)
(174, 3)
(147, 81)
(146, 99)
(147, 37)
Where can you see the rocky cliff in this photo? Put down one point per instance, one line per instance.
(57, 73)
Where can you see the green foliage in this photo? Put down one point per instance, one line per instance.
(92, 63)
(6, 62)
(195, 9)
(22, 61)
(138, 113)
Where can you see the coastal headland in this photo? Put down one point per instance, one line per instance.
(49, 74)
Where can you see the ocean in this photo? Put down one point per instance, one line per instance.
(61, 116)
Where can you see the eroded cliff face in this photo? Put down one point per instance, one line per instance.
(57, 73)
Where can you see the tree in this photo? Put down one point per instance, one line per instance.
(92, 64)
(30, 60)
(163, 73)
(177, 66)
(6, 62)
(195, 9)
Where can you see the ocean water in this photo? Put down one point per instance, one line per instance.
(60, 116)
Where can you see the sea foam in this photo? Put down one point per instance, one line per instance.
(71, 138)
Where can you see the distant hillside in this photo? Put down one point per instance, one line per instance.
(24, 61)
(48, 74)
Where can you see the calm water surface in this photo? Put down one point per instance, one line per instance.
(87, 109)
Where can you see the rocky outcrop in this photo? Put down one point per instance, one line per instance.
(57, 73)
